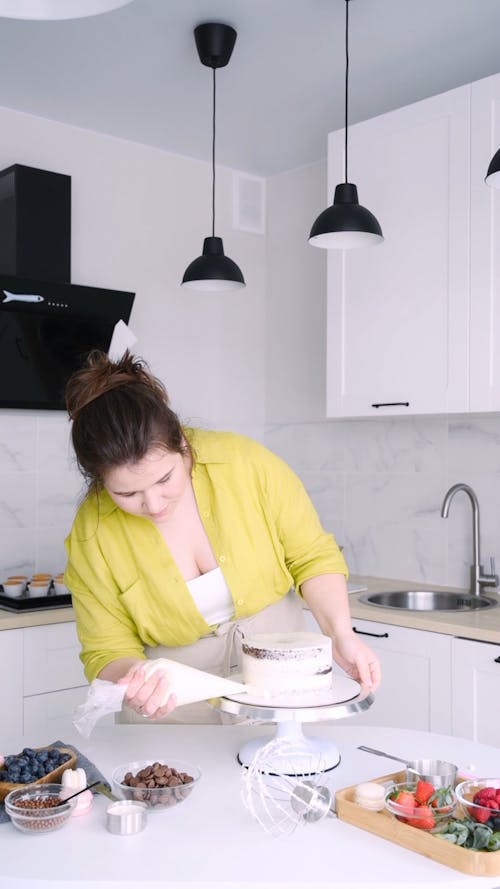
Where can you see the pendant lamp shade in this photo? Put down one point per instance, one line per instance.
(346, 224)
(493, 174)
(56, 9)
(213, 271)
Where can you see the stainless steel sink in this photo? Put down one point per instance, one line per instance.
(428, 600)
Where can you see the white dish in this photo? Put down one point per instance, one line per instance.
(14, 590)
(343, 689)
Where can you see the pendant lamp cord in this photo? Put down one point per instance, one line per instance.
(213, 157)
(346, 82)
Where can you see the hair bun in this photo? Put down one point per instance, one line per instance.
(100, 375)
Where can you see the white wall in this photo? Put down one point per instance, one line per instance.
(296, 298)
(239, 360)
(377, 484)
(139, 216)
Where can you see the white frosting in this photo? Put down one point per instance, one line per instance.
(287, 662)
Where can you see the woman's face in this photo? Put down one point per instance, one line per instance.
(153, 487)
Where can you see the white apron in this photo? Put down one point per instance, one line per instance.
(220, 653)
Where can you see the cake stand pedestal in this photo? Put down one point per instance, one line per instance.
(345, 698)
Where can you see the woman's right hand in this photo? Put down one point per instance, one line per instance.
(148, 695)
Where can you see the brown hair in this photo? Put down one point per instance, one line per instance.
(119, 412)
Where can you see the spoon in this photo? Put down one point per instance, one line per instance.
(61, 802)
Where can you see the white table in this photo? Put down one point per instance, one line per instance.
(210, 840)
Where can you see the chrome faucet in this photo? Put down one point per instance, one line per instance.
(478, 578)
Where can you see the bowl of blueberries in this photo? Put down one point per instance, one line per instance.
(43, 765)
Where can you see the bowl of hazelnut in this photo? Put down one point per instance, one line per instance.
(38, 808)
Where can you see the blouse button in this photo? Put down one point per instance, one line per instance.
(222, 559)
(206, 514)
(240, 601)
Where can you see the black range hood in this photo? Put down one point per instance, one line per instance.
(47, 325)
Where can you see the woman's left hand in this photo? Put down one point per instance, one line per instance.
(357, 659)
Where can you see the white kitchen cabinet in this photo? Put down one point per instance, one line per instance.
(415, 692)
(51, 714)
(11, 680)
(41, 678)
(416, 686)
(51, 658)
(485, 255)
(476, 690)
(397, 329)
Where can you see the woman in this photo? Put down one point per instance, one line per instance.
(186, 540)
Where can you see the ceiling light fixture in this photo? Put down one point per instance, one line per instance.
(346, 223)
(213, 270)
(56, 9)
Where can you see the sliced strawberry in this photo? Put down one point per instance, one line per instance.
(425, 819)
(405, 801)
(424, 791)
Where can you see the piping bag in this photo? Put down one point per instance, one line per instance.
(187, 683)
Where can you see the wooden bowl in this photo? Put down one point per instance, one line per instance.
(50, 778)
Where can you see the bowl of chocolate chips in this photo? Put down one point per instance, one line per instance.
(158, 784)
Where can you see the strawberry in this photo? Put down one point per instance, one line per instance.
(424, 791)
(405, 801)
(424, 819)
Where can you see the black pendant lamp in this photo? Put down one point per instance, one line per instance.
(346, 223)
(493, 175)
(213, 270)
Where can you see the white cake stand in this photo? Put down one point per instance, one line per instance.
(345, 698)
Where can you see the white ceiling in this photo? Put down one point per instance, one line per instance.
(134, 72)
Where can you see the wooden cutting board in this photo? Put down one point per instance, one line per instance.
(469, 861)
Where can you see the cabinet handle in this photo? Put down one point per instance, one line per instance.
(497, 659)
(377, 635)
(392, 404)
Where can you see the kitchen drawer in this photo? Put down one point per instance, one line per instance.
(50, 716)
(51, 658)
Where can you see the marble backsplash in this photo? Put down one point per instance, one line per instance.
(378, 485)
(39, 489)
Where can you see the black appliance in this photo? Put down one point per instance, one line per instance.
(35, 223)
(46, 332)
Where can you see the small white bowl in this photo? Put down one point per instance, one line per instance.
(60, 588)
(14, 588)
(38, 588)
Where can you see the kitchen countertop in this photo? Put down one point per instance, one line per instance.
(211, 840)
(482, 625)
(15, 620)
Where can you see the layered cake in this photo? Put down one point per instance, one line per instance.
(287, 662)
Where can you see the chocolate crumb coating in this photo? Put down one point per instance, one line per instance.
(297, 654)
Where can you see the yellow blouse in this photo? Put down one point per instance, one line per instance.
(127, 590)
